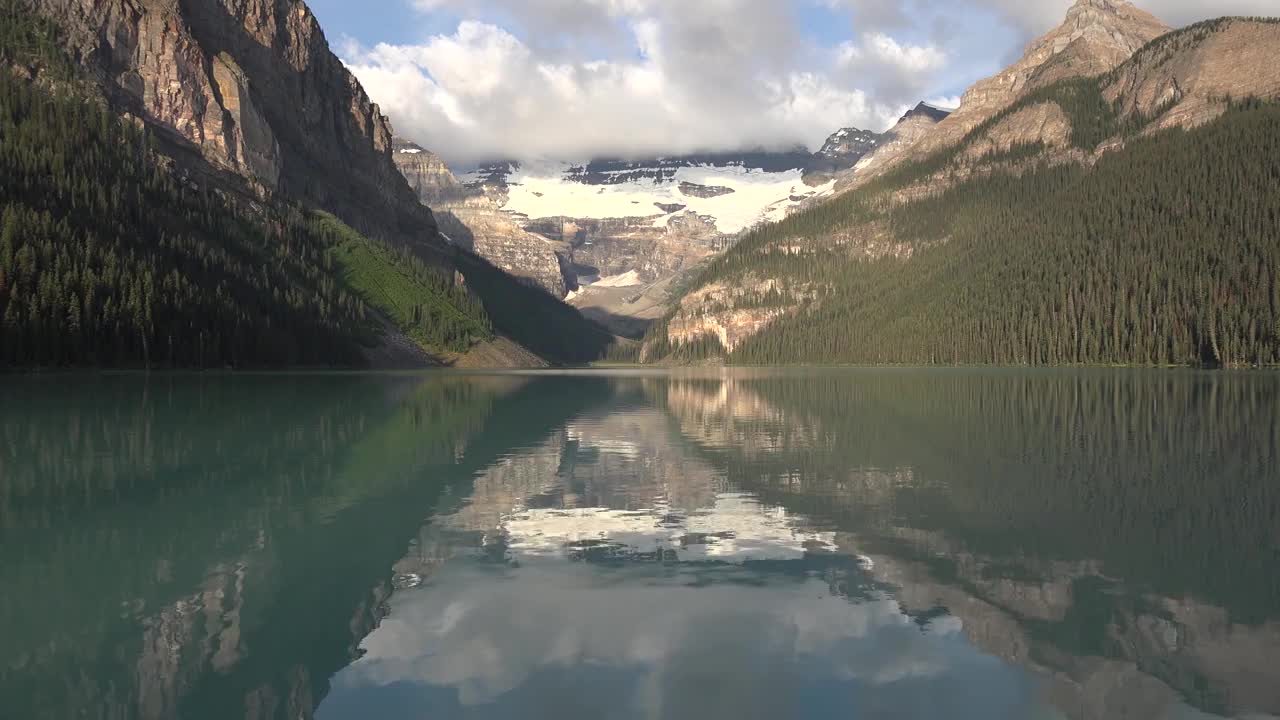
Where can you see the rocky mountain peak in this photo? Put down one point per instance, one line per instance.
(916, 123)
(1099, 8)
(841, 151)
(1096, 37)
(927, 111)
(848, 141)
(427, 173)
(1115, 29)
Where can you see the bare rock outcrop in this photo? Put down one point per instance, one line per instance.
(615, 246)
(1040, 123)
(428, 174)
(253, 89)
(910, 128)
(1097, 36)
(732, 313)
(1187, 77)
(470, 219)
(498, 238)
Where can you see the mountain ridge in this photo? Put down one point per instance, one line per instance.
(611, 236)
(252, 86)
(1095, 37)
(244, 108)
(787, 291)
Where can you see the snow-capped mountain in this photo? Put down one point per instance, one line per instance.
(841, 152)
(611, 235)
(734, 194)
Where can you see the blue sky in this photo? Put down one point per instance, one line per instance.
(478, 79)
(396, 21)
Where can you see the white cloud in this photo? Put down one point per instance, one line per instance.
(685, 77)
(463, 639)
(1038, 16)
(577, 78)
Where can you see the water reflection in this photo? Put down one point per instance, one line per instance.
(910, 544)
(218, 547)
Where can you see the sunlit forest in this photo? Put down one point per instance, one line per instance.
(1164, 253)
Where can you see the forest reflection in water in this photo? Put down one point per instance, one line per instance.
(865, 543)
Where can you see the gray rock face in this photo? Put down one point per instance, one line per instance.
(704, 191)
(604, 248)
(427, 174)
(469, 218)
(840, 152)
(497, 237)
(1096, 36)
(252, 87)
(910, 128)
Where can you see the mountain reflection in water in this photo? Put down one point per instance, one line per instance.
(860, 543)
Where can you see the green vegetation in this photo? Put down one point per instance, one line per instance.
(110, 257)
(107, 259)
(1165, 253)
(531, 317)
(422, 301)
(29, 41)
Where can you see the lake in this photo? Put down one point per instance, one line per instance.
(721, 544)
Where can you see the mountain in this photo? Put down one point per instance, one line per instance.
(1126, 216)
(219, 191)
(910, 128)
(471, 219)
(428, 175)
(1096, 36)
(843, 151)
(614, 236)
(252, 88)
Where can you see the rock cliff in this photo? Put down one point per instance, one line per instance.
(470, 218)
(1188, 77)
(428, 174)
(497, 237)
(1097, 36)
(910, 128)
(842, 151)
(252, 89)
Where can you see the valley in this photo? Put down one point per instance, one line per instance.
(219, 191)
(614, 237)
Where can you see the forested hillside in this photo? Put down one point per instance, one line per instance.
(111, 256)
(107, 259)
(1165, 252)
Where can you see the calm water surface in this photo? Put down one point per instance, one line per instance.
(853, 544)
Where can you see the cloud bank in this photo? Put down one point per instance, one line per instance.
(574, 79)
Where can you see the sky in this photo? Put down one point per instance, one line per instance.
(477, 80)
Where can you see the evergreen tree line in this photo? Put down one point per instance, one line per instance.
(106, 258)
(1165, 253)
(109, 258)
(420, 299)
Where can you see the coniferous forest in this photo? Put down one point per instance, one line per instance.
(106, 259)
(109, 257)
(1166, 252)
